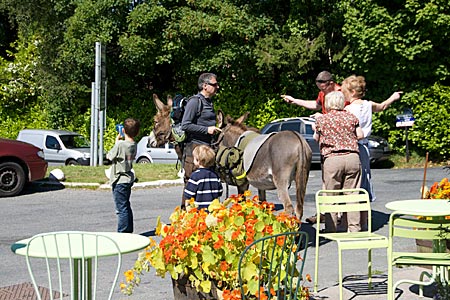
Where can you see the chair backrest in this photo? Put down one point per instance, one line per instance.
(68, 264)
(331, 201)
(426, 228)
(272, 267)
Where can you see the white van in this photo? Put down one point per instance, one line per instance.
(59, 146)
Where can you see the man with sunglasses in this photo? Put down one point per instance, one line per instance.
(199, 124)
(326, 84)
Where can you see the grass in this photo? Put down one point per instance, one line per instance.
(398, 161)
(144, 172)
(152, 172)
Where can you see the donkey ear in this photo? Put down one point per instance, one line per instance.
(169, 100)
(220, 118)
(242, 118)
(158, 103)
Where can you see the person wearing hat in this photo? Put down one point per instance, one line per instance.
(326, 84)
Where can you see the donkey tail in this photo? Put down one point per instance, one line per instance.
(302, 173)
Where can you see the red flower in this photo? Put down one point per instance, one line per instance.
(224, 266)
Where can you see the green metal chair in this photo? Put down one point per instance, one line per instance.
(277, 262)
(406, 226)
(342, 201)
(71, 262)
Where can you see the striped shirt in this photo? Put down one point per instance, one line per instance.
(204, 186)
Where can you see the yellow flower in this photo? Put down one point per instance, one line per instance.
(129, 275)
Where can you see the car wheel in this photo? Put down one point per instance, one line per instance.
(12, 179)
(72, 162)
(143, 160)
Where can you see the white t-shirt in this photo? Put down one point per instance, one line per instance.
(363, 111)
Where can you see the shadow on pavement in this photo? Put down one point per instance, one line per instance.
(358, 284)
(42, 187)
(379, 219)
(149, 233)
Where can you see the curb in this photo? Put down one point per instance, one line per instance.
(156, 183)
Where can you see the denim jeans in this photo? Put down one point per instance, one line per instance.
(366, 174)
(121, 196)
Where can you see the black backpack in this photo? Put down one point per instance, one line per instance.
(178, 106)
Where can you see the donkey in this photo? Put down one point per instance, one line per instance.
(162, 129)
(283, 157)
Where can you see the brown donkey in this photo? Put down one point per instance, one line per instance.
(283, 157)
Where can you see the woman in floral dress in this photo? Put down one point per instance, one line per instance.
(338, 132)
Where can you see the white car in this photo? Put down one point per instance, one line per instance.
(60, 147)
(163, 155)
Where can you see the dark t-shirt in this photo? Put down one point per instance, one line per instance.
(196, 125)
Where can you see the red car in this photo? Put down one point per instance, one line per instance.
(19, 163)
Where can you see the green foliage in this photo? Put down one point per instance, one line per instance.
(12, 123)
(18, 87)
(258, 49)
(431, 111)
(396, 45)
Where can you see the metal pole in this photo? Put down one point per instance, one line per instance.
(407, 147)
(100, 145)
(92, 122)
(424, 176)
(95, 146)
(98, 66)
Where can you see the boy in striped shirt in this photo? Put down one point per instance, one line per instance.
(204, 184)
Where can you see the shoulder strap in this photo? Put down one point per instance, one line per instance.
(199, 107)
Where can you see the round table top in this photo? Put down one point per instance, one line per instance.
(73, 245)
(421, 207)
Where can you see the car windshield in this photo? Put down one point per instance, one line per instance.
(74, 141)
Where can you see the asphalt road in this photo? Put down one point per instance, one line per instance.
(44, 209)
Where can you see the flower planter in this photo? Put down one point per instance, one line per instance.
(196, 240)
(426, 246)
(183, 290)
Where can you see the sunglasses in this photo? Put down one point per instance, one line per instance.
(322, 81)
(212, 84)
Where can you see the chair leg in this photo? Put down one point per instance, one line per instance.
(316, 265)
(369, 271)
(390, 281)
(341, 290)
(432, 277)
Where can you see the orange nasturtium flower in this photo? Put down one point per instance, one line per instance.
(206, 244)
(261, 294)
(197, 249)
(280, 240)
(219, 243)
(224, 266)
